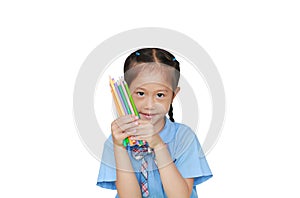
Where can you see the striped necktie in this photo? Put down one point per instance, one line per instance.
(139, 153)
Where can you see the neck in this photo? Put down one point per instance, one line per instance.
(160, 126)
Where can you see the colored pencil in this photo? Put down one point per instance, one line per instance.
(111, 81)
(125, 105)
(116, 104)
(126, 96)
(131, 99)
(120, 97)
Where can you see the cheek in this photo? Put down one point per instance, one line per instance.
(163, 105)
(167, 105)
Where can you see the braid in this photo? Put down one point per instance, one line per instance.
(171, 113)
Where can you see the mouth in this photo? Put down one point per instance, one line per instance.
(147, 115)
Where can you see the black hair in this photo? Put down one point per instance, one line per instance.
(157, 55)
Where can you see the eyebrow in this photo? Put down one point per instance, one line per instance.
(155, 90)
(163, 90)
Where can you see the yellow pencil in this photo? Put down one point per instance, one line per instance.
(118, 103)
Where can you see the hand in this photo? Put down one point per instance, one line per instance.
(121, 127)
(145, 131)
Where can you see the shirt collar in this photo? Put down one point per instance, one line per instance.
(167, 134)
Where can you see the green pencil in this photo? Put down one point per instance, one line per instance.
(131, 99)
(124, 98)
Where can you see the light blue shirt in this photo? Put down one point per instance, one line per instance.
(184, 149)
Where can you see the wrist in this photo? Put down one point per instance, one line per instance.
(156, 142)
(159, 146)
(162, 156)
(119, 147)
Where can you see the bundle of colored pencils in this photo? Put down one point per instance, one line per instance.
(124, 105)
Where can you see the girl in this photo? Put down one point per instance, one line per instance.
(171, 164)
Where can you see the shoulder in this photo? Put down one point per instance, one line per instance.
(184, 132)
(177, 130)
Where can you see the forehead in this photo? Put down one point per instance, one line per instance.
(155, 74)
(151, 87)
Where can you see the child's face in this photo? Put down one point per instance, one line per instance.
(152, 93)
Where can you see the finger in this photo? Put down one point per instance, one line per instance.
(143, 127)
(126, 119)
(128, 126)
(141, 137)
(131, 130)
(122, 136)
(143, 122)
(141, 130)
(124, 122)
(147, 127)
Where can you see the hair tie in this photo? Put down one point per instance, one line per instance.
(174, 59)
(137, 53)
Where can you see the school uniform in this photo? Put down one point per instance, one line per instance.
(184, 149)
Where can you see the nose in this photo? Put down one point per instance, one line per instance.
(149, 103)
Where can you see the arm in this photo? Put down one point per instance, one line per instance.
(174, 184)
(126, 181)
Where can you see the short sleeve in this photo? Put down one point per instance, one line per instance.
(189, 158)
(107, 171)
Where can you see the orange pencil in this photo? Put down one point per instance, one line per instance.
(118, 103)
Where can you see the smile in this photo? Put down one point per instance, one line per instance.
(147, 116)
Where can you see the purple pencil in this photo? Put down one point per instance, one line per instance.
(120, 98)
(126, 95)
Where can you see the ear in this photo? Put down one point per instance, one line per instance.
(175, 93)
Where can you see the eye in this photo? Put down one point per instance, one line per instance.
(140, 93)
(160, 95)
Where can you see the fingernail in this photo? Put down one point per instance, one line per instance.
(136, 123)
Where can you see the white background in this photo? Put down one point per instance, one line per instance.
(254, 44)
